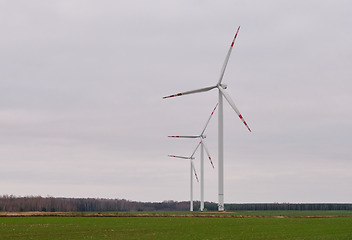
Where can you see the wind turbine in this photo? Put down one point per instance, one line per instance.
(202, 147)
(221, 87)
(191, 176)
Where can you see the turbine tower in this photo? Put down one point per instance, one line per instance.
(222, 93)
(191, 176)
(202, 148)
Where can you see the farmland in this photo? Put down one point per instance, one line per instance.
(181, 225)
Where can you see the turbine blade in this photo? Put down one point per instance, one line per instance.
(195, 149)
(205, 127)
(228, 98)
(179, 157)
(206, 150)
(184, 136)
(227, 57)
(195, 173)
(192, 91)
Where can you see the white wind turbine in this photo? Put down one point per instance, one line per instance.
(191, 176)
(202, 147)
(221, 87)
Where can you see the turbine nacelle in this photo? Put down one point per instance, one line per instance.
(224, 86)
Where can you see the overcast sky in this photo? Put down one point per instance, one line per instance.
(82, 114)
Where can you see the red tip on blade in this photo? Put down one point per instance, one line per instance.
(196, 177)
(247, 126)
(214, 109)
(233, 42)
(211, 162)
(240, 116)
(174, 95)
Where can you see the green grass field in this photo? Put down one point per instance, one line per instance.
(296, 227)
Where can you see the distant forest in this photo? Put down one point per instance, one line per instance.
(10, 203)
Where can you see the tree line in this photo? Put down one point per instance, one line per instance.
(289, 206)
(10, 203)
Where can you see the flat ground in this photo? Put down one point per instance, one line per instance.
(179, 225)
